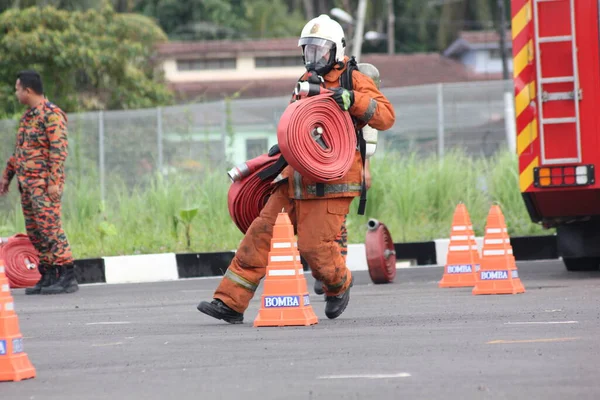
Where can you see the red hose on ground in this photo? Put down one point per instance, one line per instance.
(306, 127)
(248, 196)
(21, 260)
(381, 254)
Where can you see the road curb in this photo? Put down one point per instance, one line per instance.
(173, 266)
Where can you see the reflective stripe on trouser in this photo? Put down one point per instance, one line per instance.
(44, 227)
(318, 224)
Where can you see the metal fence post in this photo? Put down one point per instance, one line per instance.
(159, 138)
(101, 154)
(440, 130)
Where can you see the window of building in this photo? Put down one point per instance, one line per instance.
(205, 64)
(281, 61)
(256, 147)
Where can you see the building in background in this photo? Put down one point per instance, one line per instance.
(480, 52)
(211, 70)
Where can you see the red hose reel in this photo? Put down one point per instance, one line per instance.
(381, 254)
(248, 193)
(317, 138)
(20, 260)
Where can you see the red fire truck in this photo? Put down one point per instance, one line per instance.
(557, 109)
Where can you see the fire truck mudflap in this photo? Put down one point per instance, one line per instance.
(557, 88)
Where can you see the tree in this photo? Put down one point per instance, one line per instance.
(463, 14)
(217, 19)
(271, 18)
(194, 19)
(96, 59)
(71, 5)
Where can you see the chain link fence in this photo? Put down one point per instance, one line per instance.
(133, 146)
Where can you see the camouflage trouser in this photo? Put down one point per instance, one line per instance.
(342, 239)
(44, 227)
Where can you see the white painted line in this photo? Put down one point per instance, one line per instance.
(541, 323)
(107, 344)
(356, 260)
(109, 323)
(366, 376)
(551, 340)
(404, 264)
(141, 268)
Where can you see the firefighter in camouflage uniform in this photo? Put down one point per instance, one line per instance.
(38, 163)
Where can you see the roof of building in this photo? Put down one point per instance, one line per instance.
(199, 48)
(397, 70)
(470, 40)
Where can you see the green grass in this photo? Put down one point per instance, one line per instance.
(414, 196)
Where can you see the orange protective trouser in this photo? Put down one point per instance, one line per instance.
(317, 223)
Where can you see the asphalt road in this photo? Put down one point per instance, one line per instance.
(407, 340)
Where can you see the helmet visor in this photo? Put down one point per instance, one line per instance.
(317, 51)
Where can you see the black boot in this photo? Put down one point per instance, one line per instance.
(337, 304)
(219, 310)
(48, 278)
(66, 282)
(319, 287)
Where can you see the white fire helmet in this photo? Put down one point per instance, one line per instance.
(323, 44)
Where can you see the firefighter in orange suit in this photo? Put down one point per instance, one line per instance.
(317, 217)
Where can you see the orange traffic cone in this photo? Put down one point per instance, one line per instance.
(498, 273)
(14, 363)
(463, 259)
(285, 300)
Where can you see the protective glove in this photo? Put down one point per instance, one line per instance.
(344, 97)
(274, 150)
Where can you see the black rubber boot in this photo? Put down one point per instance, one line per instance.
(337, 304)
(219, 310)
(66, 282)
(319, 287)
(48, 277)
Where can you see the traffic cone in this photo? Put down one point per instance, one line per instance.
(498, 273)
(463, 259)
(285, 300)
(14, 363)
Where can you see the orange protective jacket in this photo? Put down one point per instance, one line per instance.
(370, 107)
(41, 148)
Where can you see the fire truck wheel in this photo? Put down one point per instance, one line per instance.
(582, 263)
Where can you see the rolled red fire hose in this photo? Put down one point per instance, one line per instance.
(248, 196)
(21, 261)
(381, 254)
(317, 138)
